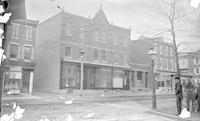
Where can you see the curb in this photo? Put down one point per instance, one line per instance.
(169, 115)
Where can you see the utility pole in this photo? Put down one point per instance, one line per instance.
(4, 17)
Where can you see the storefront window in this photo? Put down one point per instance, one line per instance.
(13, 80)
(70, 77)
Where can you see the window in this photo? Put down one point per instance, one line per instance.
(167, 50)
(125, 59)
(83, 30)
(155, 47)
(97, 35)
(125, 42)
(29, 30)
(196, 61)
(139, 75)
(170, 66)
(14, 49)
(161, 49)
(166, 64)
(96, 54)
(161, 62)
(171, 51)
(116, 42)
(27, 52)
(104, 36)
(196, 70)
(68, 51)
(15, 30)
(103, 56)
(68, 30)
(116, 59)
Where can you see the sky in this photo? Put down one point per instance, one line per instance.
(135, 14)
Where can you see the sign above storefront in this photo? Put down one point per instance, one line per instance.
(15, 68)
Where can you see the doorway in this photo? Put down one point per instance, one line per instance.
(25, 81)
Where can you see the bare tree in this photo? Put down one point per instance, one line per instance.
(172, 14)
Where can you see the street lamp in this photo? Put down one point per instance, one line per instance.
(82, 52)
(153, 53)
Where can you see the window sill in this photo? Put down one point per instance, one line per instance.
(27, 60)
(14, 37)
(28, 39)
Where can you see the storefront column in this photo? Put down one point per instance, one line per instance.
(143, 78)
(130, 79)
(135, 78)
(31, 82)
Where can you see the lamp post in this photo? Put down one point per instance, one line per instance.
(153, 53)
(82, 52)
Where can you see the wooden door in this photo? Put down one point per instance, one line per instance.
(25, 81)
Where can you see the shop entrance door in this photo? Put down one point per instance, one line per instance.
(25, 81)
(89, 78)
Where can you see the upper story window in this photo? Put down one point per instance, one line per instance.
(97, 35)
(68, 30)
(166, 64)
(15, 30)
(196, 70)
(103, 56)
(27, 52)
(155, 45)
(83, 30)
(96, 54)
(29, 32)
(104, 36)
(116, 59)
(126, 42)
(68, 51)
(125, 59)
(171, 51)
(116, 41)
(14, 51)
(196, 61)
(161, 63)
(161, 49)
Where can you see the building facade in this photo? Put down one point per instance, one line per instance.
(19, 48)
(164, 61)
(189, 63)
(106, 58)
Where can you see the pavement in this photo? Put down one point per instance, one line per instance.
(138, 102)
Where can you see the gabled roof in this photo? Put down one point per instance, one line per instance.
(100, 16)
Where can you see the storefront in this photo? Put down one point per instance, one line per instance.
(18, 77)
(95, 77)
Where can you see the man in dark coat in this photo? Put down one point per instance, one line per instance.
(197, 97)
(179, 94)
(189, 94)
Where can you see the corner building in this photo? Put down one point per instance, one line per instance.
(59, 40)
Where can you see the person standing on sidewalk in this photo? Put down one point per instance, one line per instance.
(189, 94)
(197, 97)
(179, 94)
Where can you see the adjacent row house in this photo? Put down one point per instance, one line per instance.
(164, 62)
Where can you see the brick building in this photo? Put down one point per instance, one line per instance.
(164, 63)
(19, 47)
(189, 63)
(106, 60)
